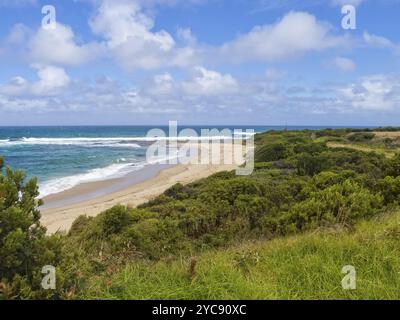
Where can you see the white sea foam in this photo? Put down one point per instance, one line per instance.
(116, 170)
(131, 142)
(86, 142)
(99, 174)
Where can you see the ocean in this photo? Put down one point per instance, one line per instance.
(64, 157)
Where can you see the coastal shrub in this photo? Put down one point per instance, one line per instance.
(272, 152)
(310, 148)
(326, 179)
(178, 192)
(155, 237)
(361, 136)
(390, 189)
(393, 166)
(229, 190)
(115, 220)
(331, 133)
(308, 164)
(24, 247)
(342, 204)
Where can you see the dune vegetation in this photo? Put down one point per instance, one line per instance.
(316, 202)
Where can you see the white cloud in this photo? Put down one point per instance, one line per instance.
(206, 92)
(381, 42)
(18, 35)
(344, 64)
(208, 82)
(379, 92)
(51, 80)
(15, 86)
(23, 104)
(129, 35)
(162, 84)
(130, 38)
(295, 34)
(59, 47)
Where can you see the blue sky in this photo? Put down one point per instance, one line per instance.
(267, 62)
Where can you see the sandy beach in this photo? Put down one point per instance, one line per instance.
(61, 210)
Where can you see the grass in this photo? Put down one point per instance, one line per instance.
(363, 147)
(375, 145)
(304, 266)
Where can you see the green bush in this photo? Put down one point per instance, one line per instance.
(115, 220)
(272, 152)
(24, 247)
(390, 189)
(341, 204)
(361, 137)
(393, 166)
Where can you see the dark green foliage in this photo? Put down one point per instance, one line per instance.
(390, 189)
(341, 204)
(115, 220)
(308, 164)
(361, 137)
(331, 133)
(178, 192)
(388, 129)
(393, 166)
(272, 152)
(24, 248)
(310, 148)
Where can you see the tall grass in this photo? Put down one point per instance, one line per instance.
(299, 267)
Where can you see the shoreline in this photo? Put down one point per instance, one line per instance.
(87, 191)
(136, 188)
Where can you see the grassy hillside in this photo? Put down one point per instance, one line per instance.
(298, 267)
(316, 201)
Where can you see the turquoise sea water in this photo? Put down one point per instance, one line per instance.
(63, 157)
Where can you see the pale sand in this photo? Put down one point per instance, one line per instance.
(61, 219)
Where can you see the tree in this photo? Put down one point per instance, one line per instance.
(24, 247)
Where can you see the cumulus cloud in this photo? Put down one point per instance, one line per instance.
(209, 82)
(59, 46)
(51, 80)
(129, 35)
(295, 34)
(50, 46)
